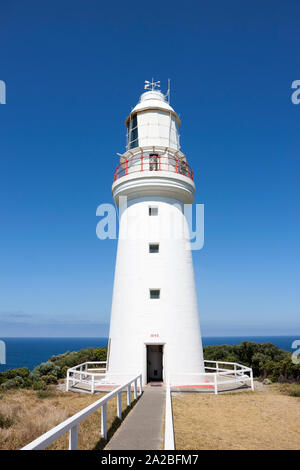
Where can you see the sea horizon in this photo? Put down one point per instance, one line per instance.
(26, 351)
(204, 336)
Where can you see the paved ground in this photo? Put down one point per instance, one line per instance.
(142, 428)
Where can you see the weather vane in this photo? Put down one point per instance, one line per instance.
(151, 85)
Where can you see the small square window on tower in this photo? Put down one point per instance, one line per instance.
(154, 293)
(153, 210)
(153, 248)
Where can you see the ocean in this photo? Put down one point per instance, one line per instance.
(30, 352)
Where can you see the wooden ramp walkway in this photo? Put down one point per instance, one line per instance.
(142, 428)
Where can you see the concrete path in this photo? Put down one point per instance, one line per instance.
(142, 428)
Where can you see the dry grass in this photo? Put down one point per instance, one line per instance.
(267, 419)
(293, 390)
(32, 416)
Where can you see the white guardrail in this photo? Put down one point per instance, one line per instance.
(169, 426)
(237, 374)
(82, 373)
(232, 374)
(71, 424)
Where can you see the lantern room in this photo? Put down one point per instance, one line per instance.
(153, 122)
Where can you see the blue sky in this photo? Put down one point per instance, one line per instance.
(73, 70)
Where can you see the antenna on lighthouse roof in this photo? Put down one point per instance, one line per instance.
(168, 94)
(151, 85)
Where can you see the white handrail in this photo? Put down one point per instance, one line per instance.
(169, 425)
(238, 372)
(74, 368)
(78, 373)
(71, 424)
(85, 372)
(229, 363)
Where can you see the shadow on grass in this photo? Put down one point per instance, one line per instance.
(114, 426)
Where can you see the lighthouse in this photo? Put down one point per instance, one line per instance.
(154, 327)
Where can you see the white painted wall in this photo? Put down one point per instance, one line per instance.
(136, 320)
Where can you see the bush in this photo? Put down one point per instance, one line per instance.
(45, 368)
(12, 373)
(64, 371)
(294, 391)
(17, 382)
(28, 382)
(5, 422)
(71, 359)
(45, 393)
(265, 359)
(49, 379)
(39, 385)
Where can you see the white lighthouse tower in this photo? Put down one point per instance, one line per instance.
(154, 327)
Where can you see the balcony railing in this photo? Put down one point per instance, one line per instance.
(155, 162)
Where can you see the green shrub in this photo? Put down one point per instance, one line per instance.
(5, 422)
(12, 373)
(265, 359)
(49, 379)
(64, 371)
(17, 382)
(45, 368)
(294, 391)
(45, 393)
(39, 385)
(28, 382)
(71, 359)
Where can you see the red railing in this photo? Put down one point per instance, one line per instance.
(155, 162)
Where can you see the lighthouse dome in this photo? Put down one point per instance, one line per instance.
(153, 99)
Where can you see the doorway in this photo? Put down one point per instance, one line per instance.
(154, 363)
